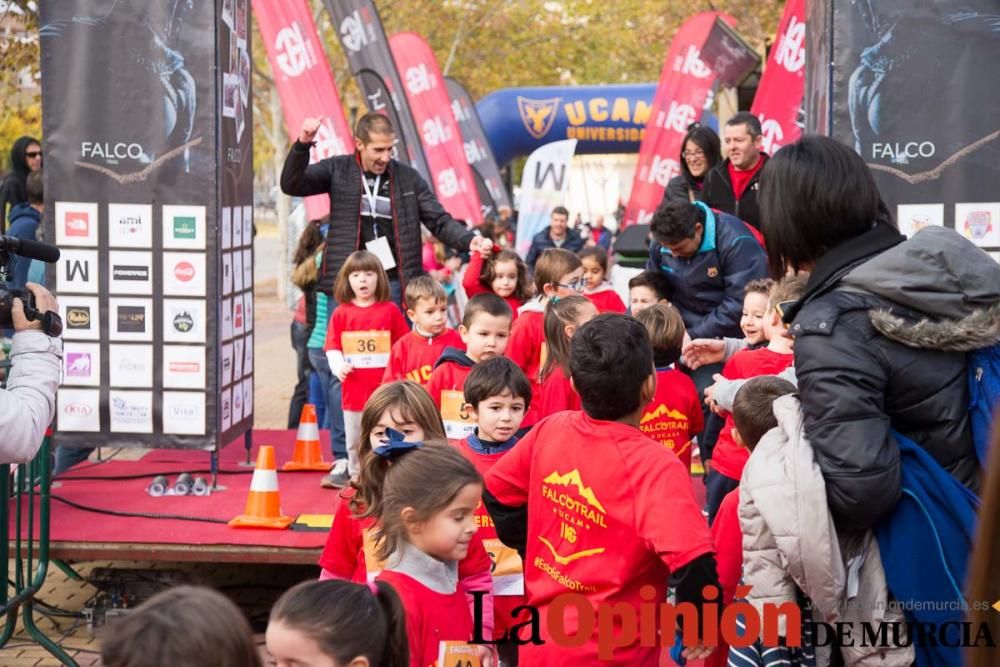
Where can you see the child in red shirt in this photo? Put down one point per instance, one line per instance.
(562, 318)
(497, 395)
(329, 620)
(493, 269)
(424, 497)
(559, 273)
(646, 289)
(597, 491)
(728, 458)
(485, 330)
(349, 552)
(674, 415)
(359, 340)
(598, 290)
(414, 355)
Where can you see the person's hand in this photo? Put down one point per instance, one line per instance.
(44, 301)
(697, 652)
(710, 395)
(703, 351)
(310, 126)
(480, 244)
(486, 657)
(344, 371)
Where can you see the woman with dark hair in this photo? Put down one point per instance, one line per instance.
(304, 276)
(25, 157)
(700, 152)
(882, 332)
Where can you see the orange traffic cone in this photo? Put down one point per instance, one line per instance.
(263, 503)
(308, 454)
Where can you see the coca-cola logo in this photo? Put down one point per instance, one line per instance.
(184, 367)
(184, 271)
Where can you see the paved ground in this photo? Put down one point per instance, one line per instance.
(253, 587)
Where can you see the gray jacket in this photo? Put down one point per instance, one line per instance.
(28, 404)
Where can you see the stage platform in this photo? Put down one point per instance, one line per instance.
(197, 530)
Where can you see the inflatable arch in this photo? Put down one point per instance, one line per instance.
(603, 119)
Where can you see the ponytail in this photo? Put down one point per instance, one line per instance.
(559, 314)
(397, 645)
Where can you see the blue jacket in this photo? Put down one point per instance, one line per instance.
(24, 222)
(935, 518)
(707, 288)
(541, 242)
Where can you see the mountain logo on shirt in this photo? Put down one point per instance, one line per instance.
(572, 478)
(663, 411)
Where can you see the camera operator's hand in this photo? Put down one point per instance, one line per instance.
(44, 301)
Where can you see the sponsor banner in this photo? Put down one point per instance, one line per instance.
(184, 227)
(76, 224)
(131, 411)
(183, 367)
(184, 321)
(183, 412)
(248, 396)
(685, 82)
(227, 364)
(911, 218)
(81, 317)
(238, 227)
(247, 268)
(238, 359)
(227, 273)
(238, 319)
(130, 226)
(248, 311)
(77, 272)
(492, 192)
(238, 402)
(304, 81)
(248, 355)
(184, 274)
(728, 55)
(226, 409)
(78, 410)
(131, 366)
(238, 274)
(439, 134)
(544, 185)
(130, 272)
(361, 34)
(81, 364)
(130, 319)
(778, 102)
(226, 330)
(904, 85)
(227, 228)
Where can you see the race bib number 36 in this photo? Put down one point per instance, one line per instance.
(366, 349)
(458, 424)
(458, 654)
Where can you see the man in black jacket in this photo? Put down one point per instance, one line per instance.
(731, 187)
(376, 203)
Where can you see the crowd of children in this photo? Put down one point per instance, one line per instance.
(544, 448)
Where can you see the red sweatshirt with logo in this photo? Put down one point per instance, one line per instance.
(414, 355)
(674, 415)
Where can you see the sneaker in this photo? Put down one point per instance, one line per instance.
(338, 477)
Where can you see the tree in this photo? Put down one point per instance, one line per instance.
(19, 75)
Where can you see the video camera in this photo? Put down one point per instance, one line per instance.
(9, 245)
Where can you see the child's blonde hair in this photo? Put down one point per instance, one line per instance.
(789, 288)
(360, 260)
(552, 266)
(560, 314)
(424, 287)
(664, 325)
(184, 625)
(426, 478)
(413, 404)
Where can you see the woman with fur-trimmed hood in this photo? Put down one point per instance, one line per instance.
(882, 333)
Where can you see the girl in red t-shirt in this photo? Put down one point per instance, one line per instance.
(340, 622)
(499, 271)
(359, 340)
(407, 408)
(424, 496)
(562, 318)
(558, 273)
(598, 289)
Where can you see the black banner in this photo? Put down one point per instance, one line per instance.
(146, 108)
(908, 85)
(728, 55)
(363, 38)
(492, 193)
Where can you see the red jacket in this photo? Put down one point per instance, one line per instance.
(414, 355)
(606, 299)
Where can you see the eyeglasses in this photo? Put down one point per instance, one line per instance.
(576, 285)
(782, 308)
(33, 154)
(693, 154)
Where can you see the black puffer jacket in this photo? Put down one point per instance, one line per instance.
(880, 342)
(717, 192)
(413, 203)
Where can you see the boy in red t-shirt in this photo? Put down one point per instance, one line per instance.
(497, 395)
(596, 491)
(674, 415)
(414, 355)
(728, 458)
(485, 331)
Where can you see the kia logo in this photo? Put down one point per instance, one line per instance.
(78, 409)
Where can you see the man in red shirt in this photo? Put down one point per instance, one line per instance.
(731, 186)
(610, 512)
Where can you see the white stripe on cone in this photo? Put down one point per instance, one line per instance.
(264, 481)
(308, 432)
